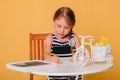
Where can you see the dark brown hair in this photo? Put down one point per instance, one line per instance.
(67, 13)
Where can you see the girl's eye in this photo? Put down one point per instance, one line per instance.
(67, 27)
(59, 26)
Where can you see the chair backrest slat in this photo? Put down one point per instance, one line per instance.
(34, 53)
(37, 46)
(42, 42)
(38, 41)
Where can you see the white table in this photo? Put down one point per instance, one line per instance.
(66, 69)
(71, 69)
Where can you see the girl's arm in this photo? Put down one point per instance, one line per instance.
(77, 41)
(76, 46)
(47, 51)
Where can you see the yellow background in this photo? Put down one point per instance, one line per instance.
(20, 17)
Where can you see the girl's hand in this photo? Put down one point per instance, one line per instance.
(54, 59)
(72, 59)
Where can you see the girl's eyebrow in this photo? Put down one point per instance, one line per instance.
(57, 24)
(67, 26)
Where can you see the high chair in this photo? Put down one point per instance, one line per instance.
(36, 47)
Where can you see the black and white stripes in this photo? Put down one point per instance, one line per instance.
(61, 49)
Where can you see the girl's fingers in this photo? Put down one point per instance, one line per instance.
(72, 59)
(55, 59)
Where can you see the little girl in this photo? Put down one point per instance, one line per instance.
(64, 41)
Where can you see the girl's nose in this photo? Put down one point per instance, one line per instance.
(62, 30)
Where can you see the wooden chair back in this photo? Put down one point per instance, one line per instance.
(36, 47)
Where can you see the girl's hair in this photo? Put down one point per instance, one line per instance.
(67, 13)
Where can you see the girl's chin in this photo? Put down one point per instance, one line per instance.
(61, 36)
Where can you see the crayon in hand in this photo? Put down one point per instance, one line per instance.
(59, 62)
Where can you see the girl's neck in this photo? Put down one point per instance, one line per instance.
(64, 39)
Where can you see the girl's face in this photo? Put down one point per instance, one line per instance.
(62, 28)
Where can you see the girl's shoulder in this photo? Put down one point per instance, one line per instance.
(72, 35)
(75, 36)
(49, 37)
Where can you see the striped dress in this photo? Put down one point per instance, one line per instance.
(63, 50)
